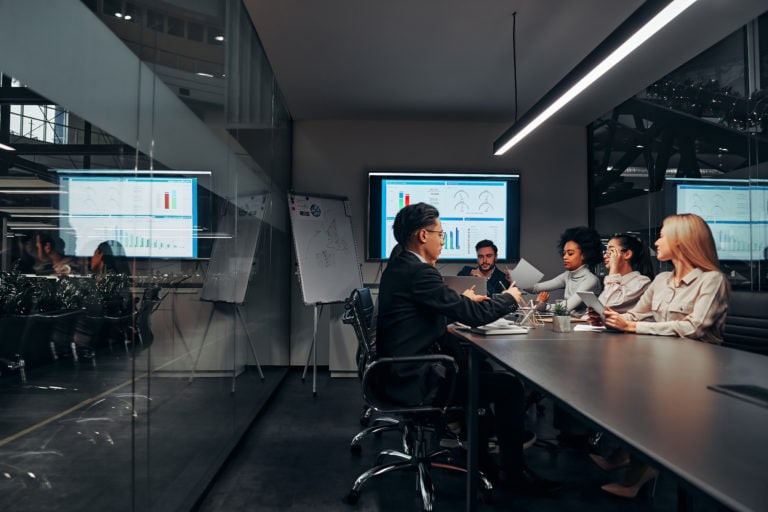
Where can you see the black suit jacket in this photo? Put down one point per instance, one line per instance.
(415, 307)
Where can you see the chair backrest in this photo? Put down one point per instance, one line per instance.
(360, 314)
(746, 324)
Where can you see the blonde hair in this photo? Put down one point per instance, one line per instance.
(691, 239)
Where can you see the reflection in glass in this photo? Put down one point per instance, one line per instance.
(695, 140)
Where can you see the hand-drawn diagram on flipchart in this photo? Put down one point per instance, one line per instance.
(325, 248)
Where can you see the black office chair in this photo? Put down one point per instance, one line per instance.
(423, 414)
(746, 326)
(363, 321)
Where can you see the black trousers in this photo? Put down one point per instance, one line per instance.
(505, 393)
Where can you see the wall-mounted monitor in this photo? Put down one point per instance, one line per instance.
(150, 217)
(736, 212)
(472, 207)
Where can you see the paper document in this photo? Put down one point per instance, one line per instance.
(500, 326)
(589, 328)
(525, 275)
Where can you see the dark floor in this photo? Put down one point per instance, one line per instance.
(296, 457)
(104, 435)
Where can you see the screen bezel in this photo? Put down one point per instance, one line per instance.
(375, 208)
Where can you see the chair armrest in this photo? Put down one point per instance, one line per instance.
(410, 383)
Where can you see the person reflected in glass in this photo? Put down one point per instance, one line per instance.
(690, 301)
(580, 248)
(487, 254)
(51, 258)
(109, 258)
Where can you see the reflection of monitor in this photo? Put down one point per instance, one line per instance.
(472, 207)
(736, 212)
(149, 217)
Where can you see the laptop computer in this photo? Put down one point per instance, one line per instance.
(461, 283)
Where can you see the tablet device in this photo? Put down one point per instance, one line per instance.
(591, 300)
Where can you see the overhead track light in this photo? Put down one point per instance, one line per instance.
(651, 17)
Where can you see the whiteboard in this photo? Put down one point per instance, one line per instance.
(325, 248)
(232, 256)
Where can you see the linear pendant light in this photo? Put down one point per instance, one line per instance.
(615, 48)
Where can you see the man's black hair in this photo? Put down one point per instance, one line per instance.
(486, 243)
(411, 219)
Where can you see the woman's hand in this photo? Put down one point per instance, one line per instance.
(614, 258)
(471, 295)
(593, 317)
(541, 300)
(614, 320)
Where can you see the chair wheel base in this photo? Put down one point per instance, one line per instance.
(355, 449)
(352, 498)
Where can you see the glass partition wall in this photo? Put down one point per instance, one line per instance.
(144, 297)
(694, 141)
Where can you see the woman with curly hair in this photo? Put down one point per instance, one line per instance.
(580, 248)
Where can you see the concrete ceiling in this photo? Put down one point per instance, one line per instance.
(438, 60)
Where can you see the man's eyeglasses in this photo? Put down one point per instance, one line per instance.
(441, 233)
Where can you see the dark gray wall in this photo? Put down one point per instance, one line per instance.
(334, 157)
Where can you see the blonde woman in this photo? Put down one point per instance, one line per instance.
(690, 301)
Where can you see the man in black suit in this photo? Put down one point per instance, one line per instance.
(487, 253)
(415, 307)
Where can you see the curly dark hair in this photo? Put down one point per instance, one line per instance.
(411, 219)
(588, 241)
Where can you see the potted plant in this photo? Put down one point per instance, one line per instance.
(561, 319)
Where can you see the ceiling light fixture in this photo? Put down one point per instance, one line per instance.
(642, 25)
(6, 147)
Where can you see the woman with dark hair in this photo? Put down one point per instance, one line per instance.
(580, 248)
(630, 271)
(109, 258)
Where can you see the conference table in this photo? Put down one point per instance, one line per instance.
(654, 394)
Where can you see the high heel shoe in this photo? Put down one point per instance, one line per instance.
(616, 460)
(647, 475)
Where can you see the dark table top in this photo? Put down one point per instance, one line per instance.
(652, 392)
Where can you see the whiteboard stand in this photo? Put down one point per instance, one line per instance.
(313, 351)
(226, 282)
(326, 255)
(239, 315)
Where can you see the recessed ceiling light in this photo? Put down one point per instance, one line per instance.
(7, 148)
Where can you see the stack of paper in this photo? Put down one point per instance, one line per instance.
(500, 326)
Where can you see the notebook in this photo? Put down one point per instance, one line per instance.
(461, 283)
